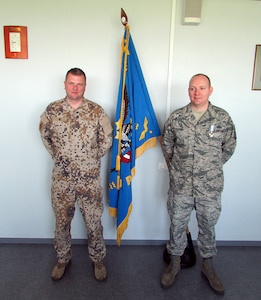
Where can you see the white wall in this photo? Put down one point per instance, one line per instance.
(84, 33)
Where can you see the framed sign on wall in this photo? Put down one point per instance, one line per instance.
(15, 38)
(256, 81)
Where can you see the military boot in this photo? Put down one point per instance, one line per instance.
(59, 270)
(168, 276)
(208, 271)
(100, 272)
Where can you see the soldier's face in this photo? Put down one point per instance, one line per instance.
(199, 91)
(75, 87)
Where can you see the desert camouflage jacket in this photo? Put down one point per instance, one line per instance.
(197, 150)
(76, 138)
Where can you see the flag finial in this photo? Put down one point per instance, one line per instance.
(124, 18)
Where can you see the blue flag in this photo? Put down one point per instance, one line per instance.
(135, 130)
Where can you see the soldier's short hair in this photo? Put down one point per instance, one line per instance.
(75, 71)
(201, 74)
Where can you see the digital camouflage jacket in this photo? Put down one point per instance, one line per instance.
(197, 150)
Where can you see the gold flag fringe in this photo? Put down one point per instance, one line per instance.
(151, 143)
(123, 226)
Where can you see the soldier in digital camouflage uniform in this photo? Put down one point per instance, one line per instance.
(77, 133)
(198, 139)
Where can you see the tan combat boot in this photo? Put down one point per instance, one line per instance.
(59, 270)
(100, 272)
(168, 276)
(208, 271)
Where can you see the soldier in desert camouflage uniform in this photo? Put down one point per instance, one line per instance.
(197, 141)
(77, 133)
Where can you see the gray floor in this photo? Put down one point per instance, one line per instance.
(133, 273)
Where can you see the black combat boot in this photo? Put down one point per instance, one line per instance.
(168, 277)
(208, 271)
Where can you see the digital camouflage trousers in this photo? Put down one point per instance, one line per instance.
(207, 214)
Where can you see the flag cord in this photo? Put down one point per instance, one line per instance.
(125, 46)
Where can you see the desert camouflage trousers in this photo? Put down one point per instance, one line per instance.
(207, 214)
(87, 192)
